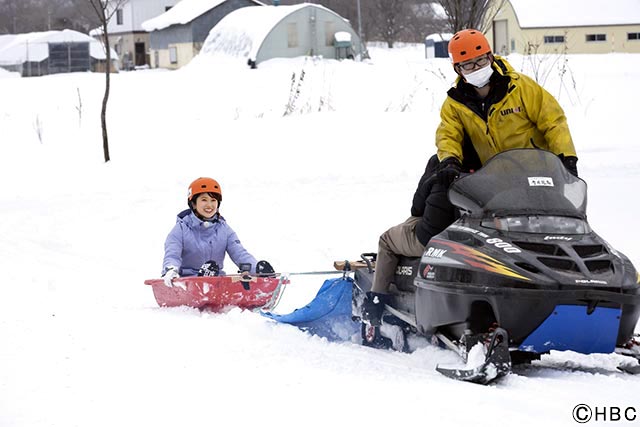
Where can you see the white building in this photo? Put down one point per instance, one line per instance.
(126, 34)
(566, 26)
(52, 52)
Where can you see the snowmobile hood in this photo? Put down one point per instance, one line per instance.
(521, 182)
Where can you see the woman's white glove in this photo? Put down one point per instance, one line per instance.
(169, 275)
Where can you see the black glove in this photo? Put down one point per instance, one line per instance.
(571, 163)
(263, 268)
(448, 171)
(373, 306)
(209, 268)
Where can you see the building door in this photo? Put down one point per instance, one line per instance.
(69, 57)
(500, 37)
(141, 58)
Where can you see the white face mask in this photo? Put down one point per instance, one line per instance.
(479, 78)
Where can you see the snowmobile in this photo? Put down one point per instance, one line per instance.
(519, 274)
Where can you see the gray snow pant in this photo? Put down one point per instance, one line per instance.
(398, 240)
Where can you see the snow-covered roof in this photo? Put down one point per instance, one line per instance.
(182, 13)
(439, 37)
(242, 32)
(342, 36)
(34, 47)
(575, 13)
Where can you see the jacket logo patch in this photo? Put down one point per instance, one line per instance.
(510, 111)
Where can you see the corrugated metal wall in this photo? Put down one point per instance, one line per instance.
(315, 35)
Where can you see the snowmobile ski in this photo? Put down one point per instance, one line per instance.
(631, 350)
(497, 362)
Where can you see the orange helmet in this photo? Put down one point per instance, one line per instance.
(204, 185)
(468, 44)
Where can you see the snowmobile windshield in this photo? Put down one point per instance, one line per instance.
(539, 224)
(521, 182)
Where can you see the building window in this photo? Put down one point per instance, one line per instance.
(292, 34)
(553, 39)
(119, 17)
(596, 38)
(329, 32)
(173, 54)
(633, 36)
(166, 8)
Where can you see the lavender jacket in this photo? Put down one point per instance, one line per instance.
(192, 242)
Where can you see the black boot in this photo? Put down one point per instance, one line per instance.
(373, 306)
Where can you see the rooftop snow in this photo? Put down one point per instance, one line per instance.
(342, 36)
(182, 13)
(438, 37)
(34, 47)
(575, 13)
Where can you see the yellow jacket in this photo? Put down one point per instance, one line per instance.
(527, 116)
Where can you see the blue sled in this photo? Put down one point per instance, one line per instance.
(328, 315)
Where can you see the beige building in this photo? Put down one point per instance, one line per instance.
(177, 35)
(565, 26)
(126, 35)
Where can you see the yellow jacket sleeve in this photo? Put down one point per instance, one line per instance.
(450, 132)
(545, 111)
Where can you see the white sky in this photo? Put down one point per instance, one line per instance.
(567, 13)
(84, 343)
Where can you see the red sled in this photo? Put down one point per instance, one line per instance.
(216, 293)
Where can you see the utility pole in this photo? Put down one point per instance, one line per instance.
(360, 27)
(359, 20)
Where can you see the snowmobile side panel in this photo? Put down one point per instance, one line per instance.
(574, 327)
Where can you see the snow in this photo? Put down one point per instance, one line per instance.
(183, 12)
(342, 36)
(8, 74)
(576, 13)
(439, 37)
(307, 179)
(34, 47)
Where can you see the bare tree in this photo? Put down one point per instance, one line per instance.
(386, 20)
(422, 21)
(477, 14)
(104, 10)
(17, 16)
(25, 16)
(390, 19)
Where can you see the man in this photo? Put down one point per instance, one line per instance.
(495, 109)
(492, 108)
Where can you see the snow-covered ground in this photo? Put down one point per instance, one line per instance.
(307, 179)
